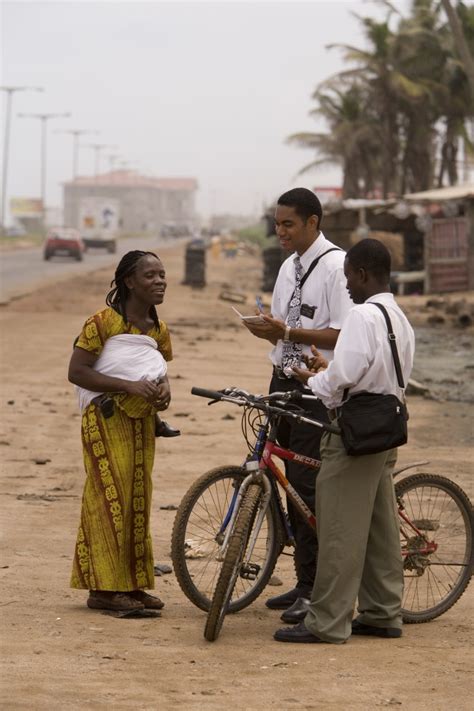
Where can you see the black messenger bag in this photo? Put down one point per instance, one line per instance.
(370, 422)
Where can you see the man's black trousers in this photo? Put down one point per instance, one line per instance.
(303, 439)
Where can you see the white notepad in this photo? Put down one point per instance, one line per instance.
(249, 319)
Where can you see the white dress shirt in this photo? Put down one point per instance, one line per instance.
(363, 360)
(325, 289)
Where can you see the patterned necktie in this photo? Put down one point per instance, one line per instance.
(292, 352)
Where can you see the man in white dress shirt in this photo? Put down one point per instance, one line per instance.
(309, 305)
(357, 522)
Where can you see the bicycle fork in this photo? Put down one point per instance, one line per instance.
(248, 570)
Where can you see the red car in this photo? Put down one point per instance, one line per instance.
(63, 240)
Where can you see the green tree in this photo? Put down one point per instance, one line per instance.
(405, 100)
(350, 141)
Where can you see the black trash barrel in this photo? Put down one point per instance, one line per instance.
(195, 264)
(273, 257)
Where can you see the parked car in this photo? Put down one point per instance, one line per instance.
(15, 231)
(63, 240)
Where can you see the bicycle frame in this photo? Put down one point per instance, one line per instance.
(265, 449)
(258, 466)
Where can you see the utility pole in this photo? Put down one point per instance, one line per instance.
(44, 118)
(6, 143)
(76, 132)
(112, 161)
(98, 147)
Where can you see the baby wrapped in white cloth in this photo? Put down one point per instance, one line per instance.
(127, 356)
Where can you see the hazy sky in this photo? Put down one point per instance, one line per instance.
(204, 89)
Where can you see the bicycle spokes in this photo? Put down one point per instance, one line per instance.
(436, 538)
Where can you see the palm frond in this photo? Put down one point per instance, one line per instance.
(316, 164)
(410, 89)
(389, 6)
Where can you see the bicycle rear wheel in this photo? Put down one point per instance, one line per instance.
(442, 513)
(197, 538)
(232, 563)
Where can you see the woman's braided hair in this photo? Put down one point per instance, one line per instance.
(117, 296)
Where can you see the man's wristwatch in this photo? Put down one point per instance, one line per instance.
(286, 337)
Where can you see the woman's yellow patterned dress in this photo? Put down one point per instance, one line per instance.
(113, 548)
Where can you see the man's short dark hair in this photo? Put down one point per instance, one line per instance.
(371, 255)
(304, 202)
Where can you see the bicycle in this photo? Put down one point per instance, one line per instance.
(231, 525)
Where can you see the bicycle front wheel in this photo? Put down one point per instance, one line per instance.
(437, 544)
(232, 564)
(198, 533)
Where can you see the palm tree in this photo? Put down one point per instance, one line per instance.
(458, 102)
(461, 43)
(405, 100)
(350, 141)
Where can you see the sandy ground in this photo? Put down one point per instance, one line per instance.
(57, 654)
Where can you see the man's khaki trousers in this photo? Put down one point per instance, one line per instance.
(359, 543)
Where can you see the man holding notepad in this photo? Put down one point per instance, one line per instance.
(309, 304)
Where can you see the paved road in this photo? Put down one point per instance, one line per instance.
(23, 270)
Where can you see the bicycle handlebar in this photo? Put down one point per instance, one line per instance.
(209, 394)
(241, 397)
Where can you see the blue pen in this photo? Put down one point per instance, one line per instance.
(259, 303)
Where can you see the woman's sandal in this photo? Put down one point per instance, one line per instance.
(119, 601)
(150, 602)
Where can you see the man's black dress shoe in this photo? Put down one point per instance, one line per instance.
(284, 601)
(298, 633)
(165, 430)
(297, 612)
(371, 631)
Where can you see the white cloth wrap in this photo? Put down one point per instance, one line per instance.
(127, 356)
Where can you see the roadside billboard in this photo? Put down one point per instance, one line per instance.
(328, 194)
(26, 207)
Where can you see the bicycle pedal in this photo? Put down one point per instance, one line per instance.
(249, 571)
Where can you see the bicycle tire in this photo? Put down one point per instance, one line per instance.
(232, 562)
(207, 501)
(442, 511)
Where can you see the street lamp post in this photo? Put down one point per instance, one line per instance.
(76, 132)
(112, 161)
(98, 147)
(6, 145)
(44, 118)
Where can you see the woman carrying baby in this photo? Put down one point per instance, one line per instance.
(121, 352)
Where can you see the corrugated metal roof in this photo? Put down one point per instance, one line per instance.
(454, 192)
(357, 203)
(129, 179)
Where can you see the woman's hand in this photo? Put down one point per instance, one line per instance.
(157, 394)
(147, 389)
(164, 395)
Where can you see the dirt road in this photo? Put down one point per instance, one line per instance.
(60, 655)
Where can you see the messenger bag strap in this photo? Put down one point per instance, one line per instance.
(314, 263)
(393, 345)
